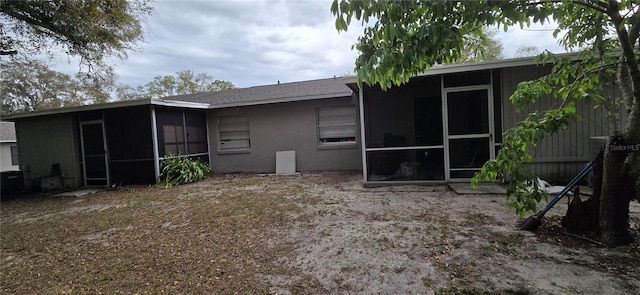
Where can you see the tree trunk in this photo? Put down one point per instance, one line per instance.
(582, 217)
(617, 191)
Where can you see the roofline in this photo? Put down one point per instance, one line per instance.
(476, 66)
(281, 100)
(109, 105)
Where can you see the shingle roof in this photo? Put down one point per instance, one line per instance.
(281, 92)
(7, 132)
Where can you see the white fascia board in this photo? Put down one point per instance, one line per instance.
(179, 104)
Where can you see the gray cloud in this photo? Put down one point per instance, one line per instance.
(246, 42)
(250, 43)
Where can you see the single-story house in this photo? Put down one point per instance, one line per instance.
(238, 130)
(440, 127)
(8, 147)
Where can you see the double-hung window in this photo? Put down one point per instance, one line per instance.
(337, 126)
(233, 133)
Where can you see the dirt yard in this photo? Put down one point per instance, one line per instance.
(310, 234)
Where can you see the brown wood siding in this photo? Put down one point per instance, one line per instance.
(560, 156)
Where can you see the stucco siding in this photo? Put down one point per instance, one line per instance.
(5, 157)
(47, 140)
(282, 127)
(560, 156)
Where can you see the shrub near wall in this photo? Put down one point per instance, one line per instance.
(177, 170)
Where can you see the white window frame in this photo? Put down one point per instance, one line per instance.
(239, 125)
(339, 122)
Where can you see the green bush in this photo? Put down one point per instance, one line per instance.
(177, 170)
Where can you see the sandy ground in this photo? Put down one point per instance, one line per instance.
(428, 240)
(308, 234)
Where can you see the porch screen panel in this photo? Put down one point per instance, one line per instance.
(405, 165)
(196, 132)
(130, 143)
(171, 135)
(468, 112)
(233, 133)
(173, 140)
(337, 125)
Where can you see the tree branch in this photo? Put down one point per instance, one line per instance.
(602, 5)
(8, 52)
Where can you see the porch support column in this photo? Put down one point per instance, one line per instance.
(445, 130)
(154, 134)
(363, 143)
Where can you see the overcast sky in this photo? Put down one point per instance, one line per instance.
(253, 42)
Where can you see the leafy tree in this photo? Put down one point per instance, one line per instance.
(183, 82)
(408, 37)
(90, 30)
(27, 86)
(482, 48)
(526, 51)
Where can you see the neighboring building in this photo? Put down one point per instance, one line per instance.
(440, 127)
(9, 160)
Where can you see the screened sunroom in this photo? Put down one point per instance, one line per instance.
(435, 128)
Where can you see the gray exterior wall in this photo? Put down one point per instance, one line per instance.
(48, 140)
(561, 156)
(283, 127)
(5, 157)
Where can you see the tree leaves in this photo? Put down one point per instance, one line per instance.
(408, 37)
(90, 30)
(183, 82)
(518, 142)
(27, 86)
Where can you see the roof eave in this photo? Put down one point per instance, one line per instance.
(476, 66)
(110, 105)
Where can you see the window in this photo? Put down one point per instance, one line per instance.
(337, 126)
(14, 155)
(233, 133)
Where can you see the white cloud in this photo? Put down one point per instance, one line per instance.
(540, 36)
(256, 42)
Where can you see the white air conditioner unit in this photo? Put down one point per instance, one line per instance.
(286, 163)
